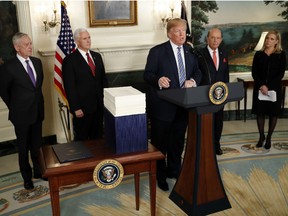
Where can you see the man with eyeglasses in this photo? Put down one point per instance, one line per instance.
(216, 60)
(169, 65)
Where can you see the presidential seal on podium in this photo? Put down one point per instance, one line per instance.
(218, 93)
(108, 174)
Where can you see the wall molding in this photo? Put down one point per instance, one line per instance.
(105, 50)
(117, 59)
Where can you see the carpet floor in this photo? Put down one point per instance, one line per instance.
(255, 180)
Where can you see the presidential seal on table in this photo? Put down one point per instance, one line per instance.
(108, 174)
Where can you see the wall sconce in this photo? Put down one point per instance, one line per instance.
(261, 41)
(168, 10)
(166, 19)
(53, 23)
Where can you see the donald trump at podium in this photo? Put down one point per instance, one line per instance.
(169, 65)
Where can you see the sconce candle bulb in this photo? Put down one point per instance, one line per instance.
(172, 5)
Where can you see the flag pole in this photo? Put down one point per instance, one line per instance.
(64, 120)
(183, 15)
(65, 45)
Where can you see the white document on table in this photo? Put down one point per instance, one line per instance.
(271, 96)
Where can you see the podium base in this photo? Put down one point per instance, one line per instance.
(199, 189)
(203, 209)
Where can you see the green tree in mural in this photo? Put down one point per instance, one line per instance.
(284, 15)
(199, 18)
(283, 4)
(245, 43)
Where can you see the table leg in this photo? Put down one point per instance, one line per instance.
(245, 102)
(136, 182)
(283, 94)
(238, 110)
(152, 185)
(54, 195)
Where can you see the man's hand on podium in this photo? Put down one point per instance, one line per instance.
(164, 82)
(190, 83)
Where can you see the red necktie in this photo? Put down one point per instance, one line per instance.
(215, 59)
(91, 64)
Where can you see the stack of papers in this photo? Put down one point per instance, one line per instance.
(122, 101)
(271, 96)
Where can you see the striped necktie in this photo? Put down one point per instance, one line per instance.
(181, 72)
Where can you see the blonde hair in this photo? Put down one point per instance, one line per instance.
(278, 47)
(175, 22)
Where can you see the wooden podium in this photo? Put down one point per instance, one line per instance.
(199, 189)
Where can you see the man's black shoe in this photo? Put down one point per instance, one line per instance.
(219, 151)
(28, 185)
(171, 176)
(163, 185)
(40, 177)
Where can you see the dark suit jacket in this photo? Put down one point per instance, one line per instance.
(83, 90)
(222, 74)
(24, 101)
(161, 62)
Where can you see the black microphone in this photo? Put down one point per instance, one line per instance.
(196, 52)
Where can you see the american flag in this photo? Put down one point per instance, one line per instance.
(65, 45)
(184, 16)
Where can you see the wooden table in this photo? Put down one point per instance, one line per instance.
(81, 171)
(248, 82)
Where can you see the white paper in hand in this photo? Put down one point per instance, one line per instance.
(271, 96)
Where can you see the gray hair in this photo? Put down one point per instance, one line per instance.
(210, 30)
(17, 37)
(77, 33)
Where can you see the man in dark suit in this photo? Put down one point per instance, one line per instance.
(168, 121)
(20, 88)
(84, 87)
(215, 72)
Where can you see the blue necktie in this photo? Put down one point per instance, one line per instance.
(30, 72)
(182, 75)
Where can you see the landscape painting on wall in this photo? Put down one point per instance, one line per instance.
(112, 13)
(242, 23)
